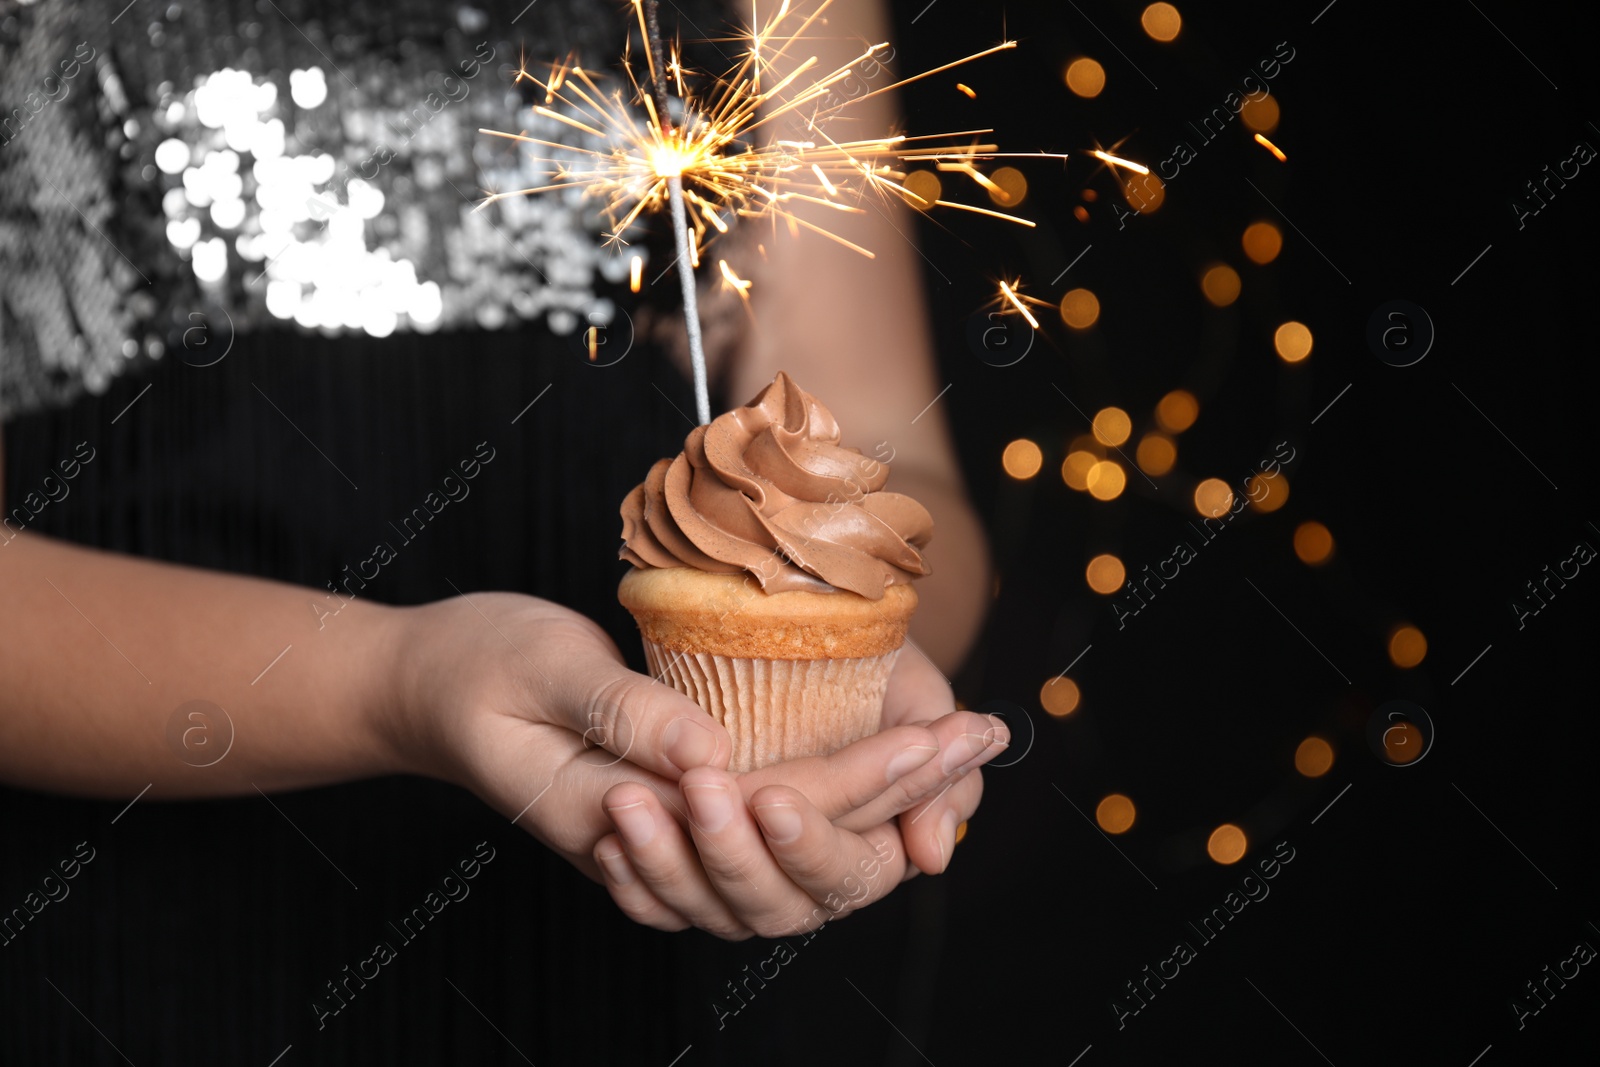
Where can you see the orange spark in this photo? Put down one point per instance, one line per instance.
(1118, 161)
(1007, 292)
(1270, 147)
(730, 280)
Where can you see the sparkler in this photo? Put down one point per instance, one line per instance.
(724, 157)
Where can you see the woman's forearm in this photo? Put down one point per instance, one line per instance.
(953, 600)
(99, 654)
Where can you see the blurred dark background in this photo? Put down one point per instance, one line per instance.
(1408, 922)
(1421, 895)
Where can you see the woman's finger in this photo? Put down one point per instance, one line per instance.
(666, 863)
(735, 856)
(856, 775)
(966, 741)
(929, 829)
(629, 891)
(839, 870)
(632, 717)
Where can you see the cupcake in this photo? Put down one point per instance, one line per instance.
(772, 575)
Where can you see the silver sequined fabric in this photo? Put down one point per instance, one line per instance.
(278, 162)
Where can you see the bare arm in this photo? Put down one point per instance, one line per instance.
(100, 650)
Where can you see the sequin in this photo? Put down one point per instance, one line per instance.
(314, 164)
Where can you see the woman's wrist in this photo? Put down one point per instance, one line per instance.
(395, 722)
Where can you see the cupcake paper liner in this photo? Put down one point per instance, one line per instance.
(780, 709)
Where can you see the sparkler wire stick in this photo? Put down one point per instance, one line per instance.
(680, 222)
(691, 307)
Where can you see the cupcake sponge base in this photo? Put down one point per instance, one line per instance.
(729, 615)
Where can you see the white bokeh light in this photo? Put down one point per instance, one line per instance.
(183, 233)
(366, 200)
(268, 140)
(377, 320)
(211, 260)
(427, 303)
(307, 231)
(283, 298)
(172, 155)
(308, 88)
(227, 214)
(228, 96)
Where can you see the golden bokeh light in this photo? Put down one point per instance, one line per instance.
(1226, 844)
(1107, 480)
(1267, 494)
(1262, 242)
(1115, 814)
(1143, 192)
(1059, 696)
(1403, 742)
(1161, 21)
(1156, 454)
(1075, 469)
(1177, 411)
(1313, 757)
(924, 188)
(1220, 284)
(1213, 498)
(1105, 574)
(1022, 459)
(1313, 543)
(1086, 77)
(1292, 341)
(1011, 187)
(961, 831)
(1112, 426)
(1088, 442)
(1260, 115)
(1080, 309)
(1407, 646)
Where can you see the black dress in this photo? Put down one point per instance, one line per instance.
(225, 435)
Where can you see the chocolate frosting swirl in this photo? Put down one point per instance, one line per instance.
(768, 489)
